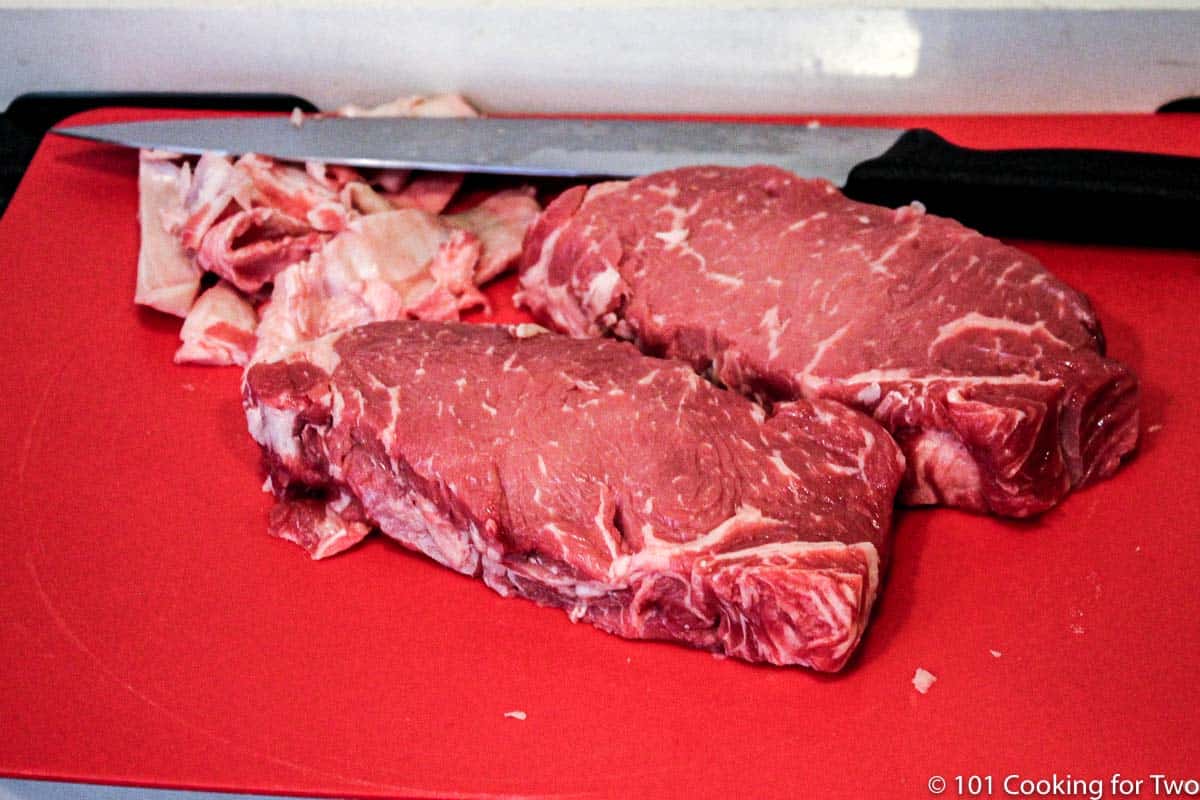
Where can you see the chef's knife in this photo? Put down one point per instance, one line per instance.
(1087, 195)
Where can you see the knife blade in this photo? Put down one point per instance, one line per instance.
(37, 789)
(1082, 195)
(514, 146)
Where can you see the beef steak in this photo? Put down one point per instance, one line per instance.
(583, 475)
(988, 371)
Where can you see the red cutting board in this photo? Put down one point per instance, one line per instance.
(152, 633)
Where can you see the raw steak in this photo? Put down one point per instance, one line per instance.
(988, 370)
(580, 474)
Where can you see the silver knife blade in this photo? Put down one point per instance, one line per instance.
(26, 789)
(538, 147)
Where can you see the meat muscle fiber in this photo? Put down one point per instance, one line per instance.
(988, 370)
(583, 475)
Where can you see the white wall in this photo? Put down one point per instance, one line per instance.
(604, 56)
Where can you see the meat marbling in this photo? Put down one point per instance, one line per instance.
(988, 370)
(583, 475)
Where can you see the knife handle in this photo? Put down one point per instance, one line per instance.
(1076, 195)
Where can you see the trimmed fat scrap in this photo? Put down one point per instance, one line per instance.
(988, 370)
(383, 266)
(167, 279)
(314, 247)
(219, 329)
(582, 475)
(394, 265)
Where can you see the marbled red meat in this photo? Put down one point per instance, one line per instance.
(583, 475)
(988, 370)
